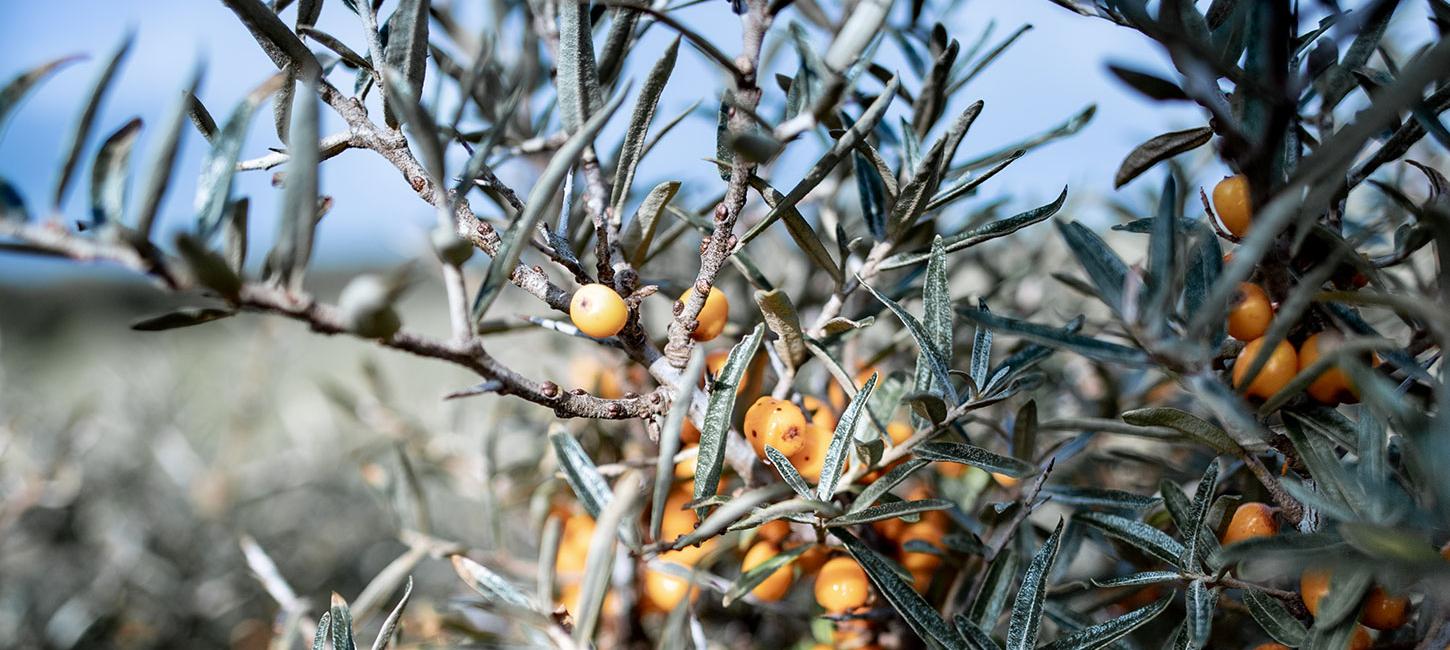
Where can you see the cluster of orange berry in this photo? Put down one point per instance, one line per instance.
(1380, 610)
(599, 311)
(1251, 314)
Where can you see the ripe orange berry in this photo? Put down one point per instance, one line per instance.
(1360, 640)
(1004, 480)
(686, 468)
(813, 559)
(1313, 584)
(1231, 200)
(841, 585)
(1250, 316)
(1250, 520)
(820, 414)
(775, 586)
(598, 311)
(663, 591)
(591, 374)
(712, 316)
(574, 545)
(899, 432)
(777, 423)
(811, 459)
(921, 578)
(1333, 385)
(1383, 611)
(689, 434)
(677, 521)
(1283, 364)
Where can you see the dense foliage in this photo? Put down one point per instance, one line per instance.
(1234, 444)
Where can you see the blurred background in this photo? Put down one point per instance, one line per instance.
(131, 464)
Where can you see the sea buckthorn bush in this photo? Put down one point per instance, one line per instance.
(845, 402)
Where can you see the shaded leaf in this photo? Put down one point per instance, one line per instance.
(918, 613)
(1026, 617)
(110, 172)
(639, 121)
(1140, 535)
(406, 51)
(180, 318)
(1106, 633)
(958, 452)
(87, 119)
(214, 183)
(1159, 149)
(18, 88)
(1056, 337)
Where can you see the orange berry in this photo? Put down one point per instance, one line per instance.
(899, 432)
(713, 314)
(1283, 364)
(1313, 584)
(591, 374)
(811, 459)
(574, 545)
(775, 586)
(820, 413)
(951, 470)
(663, 591)
(777, 423)
(841, 585)
(677, 521)
(1231, 200)
(598, 311)
(813, 559)
(774, 531)
(1383, 611)
(1004, 480)
(1333, 385)
(690, 434)
(1251, 313)
(1250, 520)
(1360, 640)
(921, 578)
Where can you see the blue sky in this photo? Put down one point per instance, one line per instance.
(1052, 72)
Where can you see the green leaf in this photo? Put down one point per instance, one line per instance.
(977, 639)
(1162, 260)
(781, 317)
(1145, 538)
(881, 486)
(299, 198)
(1205, 262)
(208, 268)
(1202, 499)
(718, 411)
(214, 182)
(618, 515)
(888, 511)
(15, 91)
(578, 75)
(1158, 149)
(390, 624)
(1067, 128)
(341, 632)
(749, 580)
(872, 190)
(635, 135)
(800, 231)
(937, 318)
(180, 318)
(1188, 424)
(516, 238)
(1150, 85)
(670, 437)
(997, 585)
(916, 194)
(939, 369)
(969, 183)
(994, 230)
(1108, 632)
(918, 613)
(406, 51)
(1106, 270)
(1200, 603)
(841, 441)
(492, 586)
(1347, 587)
(89, 111)
(1056, 337)
(109, 174)
(1024, 431)
(162, 161)
(1275, 618)
(788, 472)
(1339, 80)
(1107, 498)
(639, 233)
(1138, 579)
(1026, 618)
(324, 625)
(827, 162)
(958, 452)
(580, 472)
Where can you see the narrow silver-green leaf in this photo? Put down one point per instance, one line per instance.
(1108, 632)
(936, 316)
(1090, 497)
(516, 237)
(788, 472)
(1139, 579)
(918, 613)
(1056, 337)
(939, 369)
(716, 425)
(580, 472)
(1027, 609)
(841, 441)
(1140, 535)
(749, 580)
(180, 318)
(882, 485)
(110, 173)
(390, 624)
(1106, 270)
(888, 511)
(781, 317)
(214, 182)
(1274, 618)
(670, 438)
(994, 230)
(341, 633)
(1200, 602)
(1202, 499)
(578, 75)
(1159, 149)
(162, 161)
(916, 194)
(996, 587)
(406, 51)
(489, 584)
(599, 562)
(15, 91)
(960, 452)
(800, 231)
(87, 119)
(635, 135)
(1187, 423)
(324, 625)
(299, 197)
